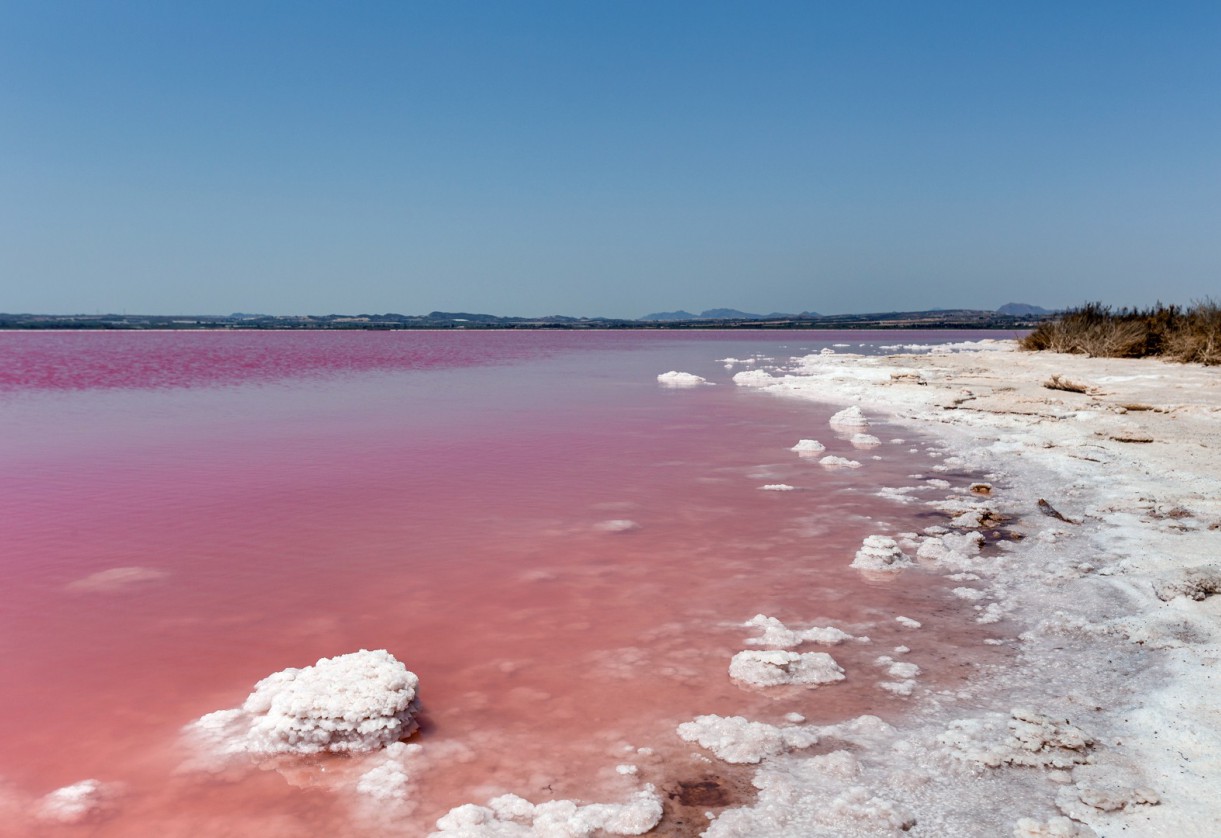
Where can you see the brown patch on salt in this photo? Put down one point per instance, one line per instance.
(685, 801)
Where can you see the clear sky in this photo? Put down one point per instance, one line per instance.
(606, 158)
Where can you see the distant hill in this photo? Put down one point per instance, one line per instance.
(1021, 310)
(671, 315)
(728, 314)
(725, 314)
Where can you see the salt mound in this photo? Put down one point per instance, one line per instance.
(510, 816)
(76, 803)
(838, 462)
(351, 703)
(778, 487)
(674, 378)
(849, 417)
(776, 668)
(736, 740)
(865, 441)
(779, 636)
(809, 446)
(878, 552)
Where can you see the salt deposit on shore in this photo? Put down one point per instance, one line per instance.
(1108, 601)
(351, 703)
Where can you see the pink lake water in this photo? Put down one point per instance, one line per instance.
(292, 496)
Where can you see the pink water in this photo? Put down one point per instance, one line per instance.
(300, 495)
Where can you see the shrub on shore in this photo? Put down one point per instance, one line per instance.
(1191, 335)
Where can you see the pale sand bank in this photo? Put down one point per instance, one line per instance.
(1111, 712)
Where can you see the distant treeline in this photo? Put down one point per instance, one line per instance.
(941, 319)
(1191, 334)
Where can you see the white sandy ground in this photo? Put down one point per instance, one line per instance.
(1108, 719)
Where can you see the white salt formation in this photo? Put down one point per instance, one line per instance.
(736, 740)
(838, 462)
(117, 579)
(674, 378)
(351, 703)
(777, 668)
(864, 441)
(776, 635)
(849, 418)
(77, 803)
(510, 816)
(1034, 740)
(778, 487)
(753, 378)
(879, 552)
(617, 525)
(807, 447)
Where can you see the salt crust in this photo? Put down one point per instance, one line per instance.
(849, 417)
(510, 816)
(880, 552)
(351, 703)
(117, 579)
(864, 441)
(674, 378)
(838, 462)
(778, 487)
(776, 635)
(1119, 603)
(78, 803)
(617, 525)
(808, 447)
(774, 668)
(736, 740)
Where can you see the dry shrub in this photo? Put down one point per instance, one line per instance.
(1099, 331)
(1199, 339)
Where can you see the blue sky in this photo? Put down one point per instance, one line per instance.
(606, 158)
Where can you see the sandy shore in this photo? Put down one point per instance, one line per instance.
(1108, 721)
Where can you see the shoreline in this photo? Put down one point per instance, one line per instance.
(1108, 714)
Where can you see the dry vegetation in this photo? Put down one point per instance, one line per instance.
(1190, 335)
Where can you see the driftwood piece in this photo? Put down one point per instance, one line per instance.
(1051, 512)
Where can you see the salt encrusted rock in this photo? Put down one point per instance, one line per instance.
(736, 740)
(807, 447)
(778, 487)
(776, 668)
(1054, 828)
(865, 441)
(674, 378)
(510, 816)
(848, 418)
(838, 462)
(908, 622)
(1034, 740)
(777, 635)
(1198, 583)
(80, 802)
(879, 552)
(351, 703)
